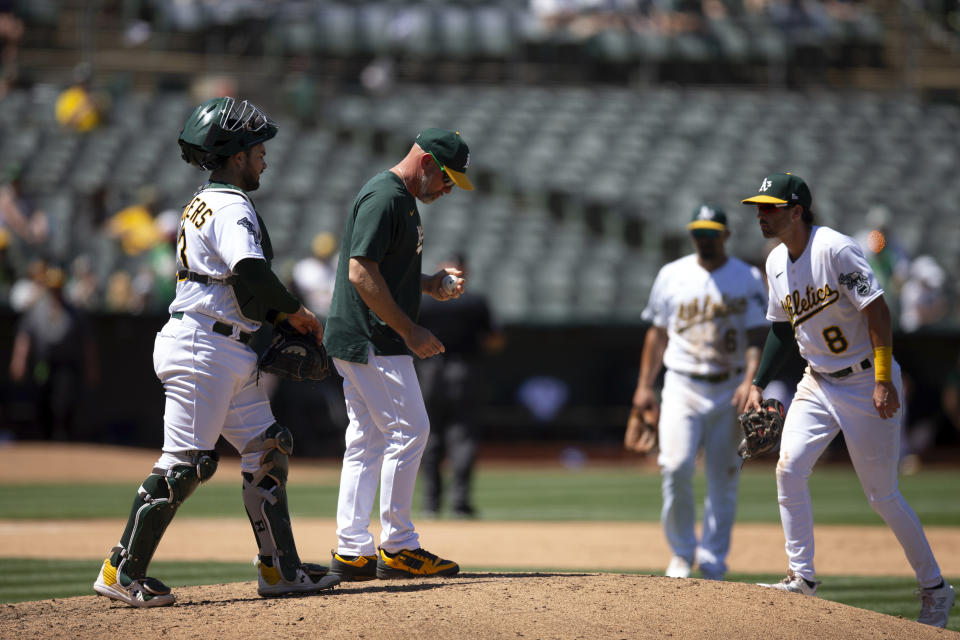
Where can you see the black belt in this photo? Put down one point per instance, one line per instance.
(843, 373)
(221, 328)
(202, 278)
(714, 377)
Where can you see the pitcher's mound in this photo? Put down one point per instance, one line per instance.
(471, 605)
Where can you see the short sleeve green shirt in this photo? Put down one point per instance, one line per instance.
(385, 227)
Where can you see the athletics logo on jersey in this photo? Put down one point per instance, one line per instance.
(246, 224)
(856, 279)
(800, 308)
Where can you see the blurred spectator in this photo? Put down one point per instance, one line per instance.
(18, 213)
(54, 349)
(888, 258)
(162, 261)
(923, 300)
(27, 289)
(453, 391)
(133, 226)
(314, 276)
(83, 286)
(11, 31)
(120, 295)
(78, 108)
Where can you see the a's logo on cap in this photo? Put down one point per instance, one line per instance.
(705, 213)
(466, 165)
(766, 184)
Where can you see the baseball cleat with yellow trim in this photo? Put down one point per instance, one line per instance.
(141, 593)
(412, 563)
(310, 578)
(353, 568)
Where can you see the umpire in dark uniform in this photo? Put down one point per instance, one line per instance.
(453, 391)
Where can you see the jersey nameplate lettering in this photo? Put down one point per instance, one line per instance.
(197, 212)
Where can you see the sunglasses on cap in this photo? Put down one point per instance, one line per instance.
(447, 182)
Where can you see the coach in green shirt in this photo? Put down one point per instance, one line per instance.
(371, 331)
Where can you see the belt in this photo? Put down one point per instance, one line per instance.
(222, 328)
(202, 278)
(714, 377)
(854, 368)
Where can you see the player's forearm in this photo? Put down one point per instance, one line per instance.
(780, 342)
(654, 345)
(265, 285)
(755, 340)
(878, 323)
(366, 278)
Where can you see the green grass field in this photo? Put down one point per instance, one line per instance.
(523, 494)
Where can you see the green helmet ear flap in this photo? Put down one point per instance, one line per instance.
(199, 158)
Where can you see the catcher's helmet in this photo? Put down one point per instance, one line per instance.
(221, 127)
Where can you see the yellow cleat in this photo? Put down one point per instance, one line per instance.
(412, 563)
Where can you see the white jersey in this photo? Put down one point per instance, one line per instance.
(822, 295)
(218, 229)
(706, 314)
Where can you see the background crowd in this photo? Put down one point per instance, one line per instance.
(605, 120)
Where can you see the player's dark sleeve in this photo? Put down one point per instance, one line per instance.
(265, 285)
(778, 347)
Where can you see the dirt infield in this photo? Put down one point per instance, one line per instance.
(561, 603)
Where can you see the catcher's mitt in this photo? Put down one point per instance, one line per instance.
(762, 428)
(294, 355)
(641, 435)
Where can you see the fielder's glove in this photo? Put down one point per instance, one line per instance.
(762, 428)
(641, 435)
(294, 355)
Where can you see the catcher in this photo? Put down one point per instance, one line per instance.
(225, 290)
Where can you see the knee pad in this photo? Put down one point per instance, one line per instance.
(265, 500)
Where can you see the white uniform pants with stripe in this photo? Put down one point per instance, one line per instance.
(385, 439)
(821, 408)
(697, 414)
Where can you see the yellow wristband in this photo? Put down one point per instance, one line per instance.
(882, 363)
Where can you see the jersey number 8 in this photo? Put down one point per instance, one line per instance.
(835, 339)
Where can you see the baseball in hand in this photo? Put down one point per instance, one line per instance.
(449, 284)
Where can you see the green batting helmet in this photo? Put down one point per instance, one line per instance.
(221, 127)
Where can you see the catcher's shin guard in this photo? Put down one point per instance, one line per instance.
(157, 501)
(265, 499)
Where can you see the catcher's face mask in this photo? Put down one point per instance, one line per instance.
(223, 127)
(245, 115)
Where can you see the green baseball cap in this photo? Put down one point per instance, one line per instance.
(450, 152)
(782, 188)
(707, 221)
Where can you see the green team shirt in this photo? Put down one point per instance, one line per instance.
(385, 227)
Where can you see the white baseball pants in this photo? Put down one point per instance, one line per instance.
(211, 390)
(821, 408)
(697, 414)
(385, 439)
